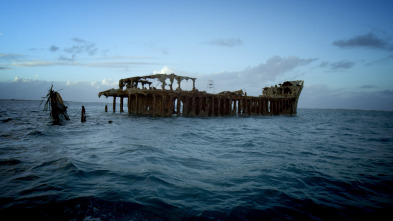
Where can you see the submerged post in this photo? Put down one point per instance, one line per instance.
(83, 115)
(121, 104)
(114, 104)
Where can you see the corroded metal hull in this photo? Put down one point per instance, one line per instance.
(277, 100)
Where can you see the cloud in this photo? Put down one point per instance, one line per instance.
(383, 60)
(21, 80)
(34, 63)
(66, 59)
(69, 83)
(79, 40)
(324, 64)
(320, 96)
(32, 89)
(113, 64)
(109, 82)
(69, 59)
(368, 86)
(341, 65)
(81, 47)
(116, 62)
(9, 56)
(313, 96)
(20, 88)
(165, 70)
(252, 78)
(365, 41)
(5, 60)
(228, 42)
(274, 67)
(249, 78)
(53, 48)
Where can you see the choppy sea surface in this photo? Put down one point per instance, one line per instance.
(318, 165)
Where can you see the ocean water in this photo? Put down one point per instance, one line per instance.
(318, 165)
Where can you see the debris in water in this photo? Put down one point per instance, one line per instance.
(83, 117)
(54, 103)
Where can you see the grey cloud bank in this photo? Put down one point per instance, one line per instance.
(227, 42)
(337, 66)
(53, 48)
(313, 96)
(367, 40)
(342, 65)
(274, 68)
(29, 89)
(320, 96)
(81, 46)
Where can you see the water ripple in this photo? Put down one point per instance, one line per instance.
(319, 165)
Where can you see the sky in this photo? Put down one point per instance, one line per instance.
(343, 50)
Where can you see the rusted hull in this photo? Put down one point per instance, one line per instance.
(165, 103)
(202, 104)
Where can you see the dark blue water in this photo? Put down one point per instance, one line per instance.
(319, 165)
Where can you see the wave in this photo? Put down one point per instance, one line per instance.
(333, 165)
(93, 208)
(36, 133)
(10, 161)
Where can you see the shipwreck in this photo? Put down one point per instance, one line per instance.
(54, 103)
(165, 100)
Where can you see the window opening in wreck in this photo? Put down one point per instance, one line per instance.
(175, 105)
(167, 84)
(175, 85)
(186, 85)
(268, 106)
(155, 84)
(138, 85)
